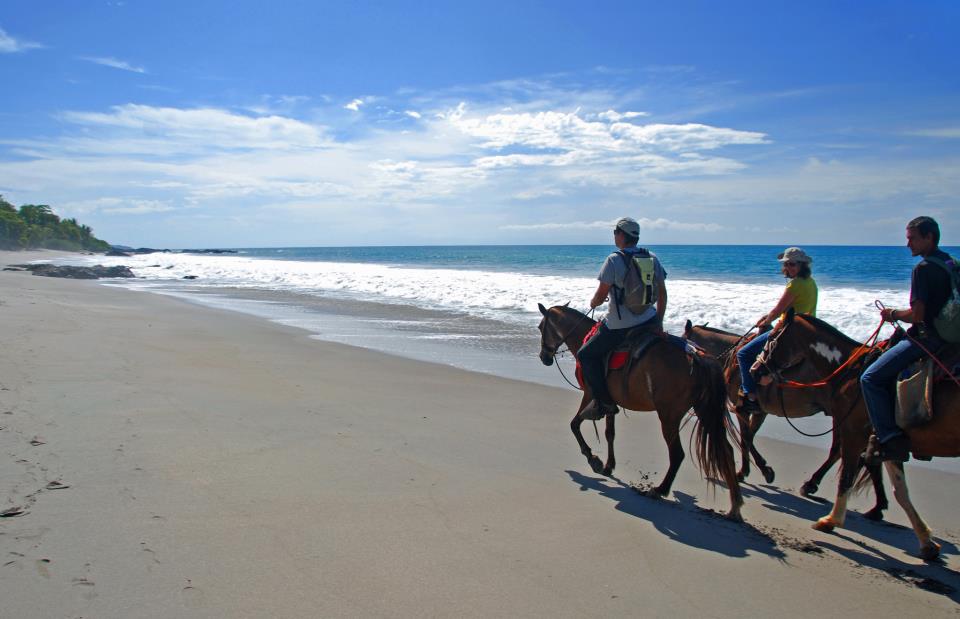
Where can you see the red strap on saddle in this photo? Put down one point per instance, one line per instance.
(618, 358)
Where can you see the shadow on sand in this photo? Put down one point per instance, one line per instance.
(682, 519)
(935, 576)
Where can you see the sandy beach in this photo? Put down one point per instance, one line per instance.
(173, 460)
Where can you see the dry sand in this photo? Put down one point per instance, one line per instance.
(178, 461)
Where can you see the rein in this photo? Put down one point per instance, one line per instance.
(857, 355)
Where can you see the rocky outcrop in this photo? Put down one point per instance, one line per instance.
(72, 272)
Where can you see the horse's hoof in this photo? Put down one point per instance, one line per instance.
(824, 524)
(741, 476)
(768, 475)
(734, 516)
(607, 471)
(596, 464)
(930, 551)
(875, 514)
(808, 489)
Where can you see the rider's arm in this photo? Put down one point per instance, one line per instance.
(661, 299)
(914, 315)
(600, 296)
(785, 301)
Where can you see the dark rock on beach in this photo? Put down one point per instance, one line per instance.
(72, 272)
(209, 251)
(189, 277)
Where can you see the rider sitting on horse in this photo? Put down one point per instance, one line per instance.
(613, 329)
(930, 289)
(800, 294)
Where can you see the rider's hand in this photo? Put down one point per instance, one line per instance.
(763, 322)
(888, 314)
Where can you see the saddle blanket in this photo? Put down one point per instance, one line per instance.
(636, 344)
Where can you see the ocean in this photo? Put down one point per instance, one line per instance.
(475, 307)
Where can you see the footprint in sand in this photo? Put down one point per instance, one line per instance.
(192, 597)
(42, 567)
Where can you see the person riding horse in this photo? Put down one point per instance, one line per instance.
(799, 294)
(930, 289)
(620, 320)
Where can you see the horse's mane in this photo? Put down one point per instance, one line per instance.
(715, 330)
(826, 326)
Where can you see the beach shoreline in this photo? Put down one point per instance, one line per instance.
(179, 460)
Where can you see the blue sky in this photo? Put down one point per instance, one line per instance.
(202, 123)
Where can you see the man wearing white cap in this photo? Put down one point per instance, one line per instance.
(620, 318)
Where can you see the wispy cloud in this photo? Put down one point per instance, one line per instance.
(113, 63)
(354, 105)
(937, 132)
(10, 45)
(645, 224)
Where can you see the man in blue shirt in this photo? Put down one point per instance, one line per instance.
(619, 320)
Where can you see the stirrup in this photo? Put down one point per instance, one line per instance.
(598, 410)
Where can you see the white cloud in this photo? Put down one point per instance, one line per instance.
(354, 105)
(645, 224)
(412, 114)
(939, 132)
(611, 115)
(113, 63)
(10, 45)
(146, 129)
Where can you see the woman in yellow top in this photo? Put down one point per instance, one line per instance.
(800, 294)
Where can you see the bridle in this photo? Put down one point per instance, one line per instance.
(554, 351)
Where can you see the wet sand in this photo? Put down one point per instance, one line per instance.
(175, 460)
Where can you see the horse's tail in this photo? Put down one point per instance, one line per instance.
(713, 452)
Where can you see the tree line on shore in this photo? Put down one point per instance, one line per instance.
(36, 226)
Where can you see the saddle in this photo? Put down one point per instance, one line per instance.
(636, 345)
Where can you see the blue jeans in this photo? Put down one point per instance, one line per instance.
(746, 357)
(878, 385)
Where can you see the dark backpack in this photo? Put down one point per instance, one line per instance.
(640, 283)
(947, 322)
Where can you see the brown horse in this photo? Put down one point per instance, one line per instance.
(803, 348)
(665, 380)
(720, 343)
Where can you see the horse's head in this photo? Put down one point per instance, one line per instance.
(561, 325)
(785, 348)
(550, 338)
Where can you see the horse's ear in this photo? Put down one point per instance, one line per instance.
(543, 310)
(790, 314)
(567, 304)
(688, 327)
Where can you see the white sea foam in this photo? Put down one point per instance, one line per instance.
(505, 296)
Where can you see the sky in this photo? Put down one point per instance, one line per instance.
(291, 123)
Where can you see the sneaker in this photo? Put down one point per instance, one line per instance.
(598, 410)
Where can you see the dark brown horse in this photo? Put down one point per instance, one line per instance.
(806, 349)
(665, 380)
(723, 344)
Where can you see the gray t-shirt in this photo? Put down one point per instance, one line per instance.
(612, 272)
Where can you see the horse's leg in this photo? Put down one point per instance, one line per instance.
(813, 484)
(670, 428)
(876, 475)
(850, 448)
(929, 549)
(755, 422)
(595, 463)
(610, 432)
(746, 445)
